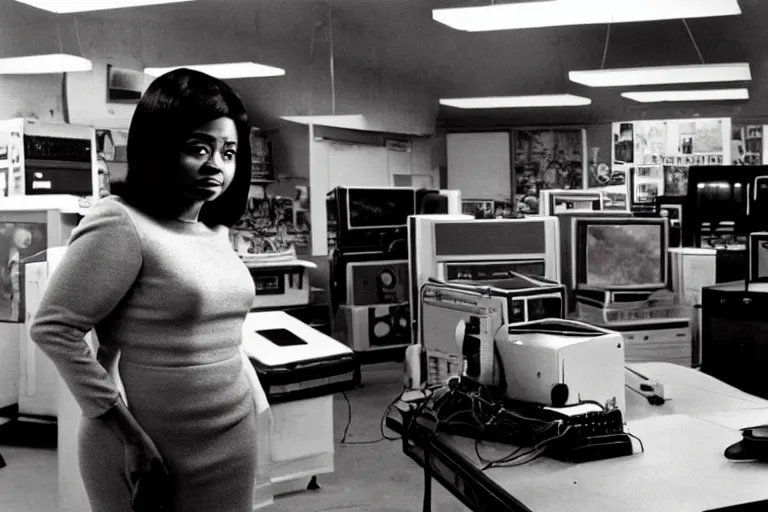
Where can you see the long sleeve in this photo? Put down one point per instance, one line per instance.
(100, 265)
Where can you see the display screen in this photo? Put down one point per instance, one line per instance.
(624, 254)
(721, 200)
(282, 337)
(759, 247)
(544, 307)
(389, 207)
(268, 284)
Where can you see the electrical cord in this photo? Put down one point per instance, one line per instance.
(384, 436)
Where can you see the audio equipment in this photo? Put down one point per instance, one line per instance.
(438, 242)
(371, 327)
(377, 282)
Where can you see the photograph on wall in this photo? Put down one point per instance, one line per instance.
(747, 145)
(708, 136)
(262, 166)
(274, 224)
(599, 175)
(18, 240)
(5, 143)
(675, 180)
(624, 143)
(694, 137)
(546, 159)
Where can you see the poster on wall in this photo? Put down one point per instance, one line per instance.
(274, 224)
(675, 180)
(262, 166)
(623, 143)
(18, 240)
(546, 159)
(747, 145)
(673, 142)
(649, 142)
(689, 138)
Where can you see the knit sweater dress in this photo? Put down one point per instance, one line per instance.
(169, 298)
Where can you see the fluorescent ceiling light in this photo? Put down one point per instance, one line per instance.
(69, 6)
(42, 64)
(560, 13)
(699, 95)
(698, 73)
(542, 100)
(230, 70)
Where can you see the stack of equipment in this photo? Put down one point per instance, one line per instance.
(448, 247)
(479, 308)
(620, 277)
(368, 260)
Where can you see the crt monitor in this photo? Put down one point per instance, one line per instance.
(719, 196)
(620, 252)
(379, 207)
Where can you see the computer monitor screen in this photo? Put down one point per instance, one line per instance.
(630, 252)
(380, 207)
(721, 200)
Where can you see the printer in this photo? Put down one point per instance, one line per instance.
(558, 363)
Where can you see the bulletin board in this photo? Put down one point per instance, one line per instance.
(655, 154)
(747, 144)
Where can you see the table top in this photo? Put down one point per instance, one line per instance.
(682, 468)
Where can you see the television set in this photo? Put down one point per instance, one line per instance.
(379, 208)
(627, 253)
(369, 219)
(724, 203)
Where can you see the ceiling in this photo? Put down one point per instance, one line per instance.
(399, 39)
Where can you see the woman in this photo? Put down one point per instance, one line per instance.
(153, 271)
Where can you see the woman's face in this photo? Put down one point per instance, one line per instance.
(207, 160)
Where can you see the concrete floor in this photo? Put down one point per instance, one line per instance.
(368, 478)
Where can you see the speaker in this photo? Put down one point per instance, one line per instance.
(377, 282)
(370, 327)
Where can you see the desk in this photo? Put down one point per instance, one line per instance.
(682, 469)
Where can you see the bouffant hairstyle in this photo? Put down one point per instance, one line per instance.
(174, 105)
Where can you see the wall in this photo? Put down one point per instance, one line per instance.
(37, 97)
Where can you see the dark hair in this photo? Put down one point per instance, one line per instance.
(174, 105)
